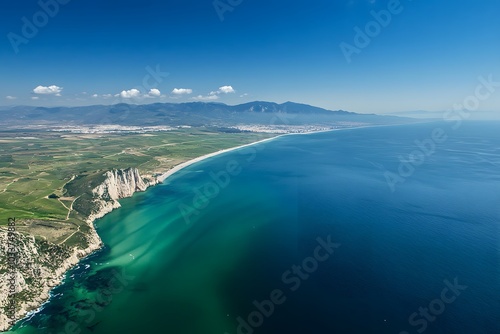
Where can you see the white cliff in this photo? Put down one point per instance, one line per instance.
(118, 184)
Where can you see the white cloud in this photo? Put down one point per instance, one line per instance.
(35, 98)
(243, 95)
(154, 92)
(95, 95)
(107, 96)
(206, 98)
(50, 90)
(226, 89)
(215, 95)
(130, 94)
(182, 91)
(8, 97)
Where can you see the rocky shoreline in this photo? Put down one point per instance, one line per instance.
(118, 184)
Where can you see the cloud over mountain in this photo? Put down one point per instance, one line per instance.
(48, 90)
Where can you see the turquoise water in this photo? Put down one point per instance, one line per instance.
(371, 255)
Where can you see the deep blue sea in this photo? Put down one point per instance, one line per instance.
(390, 229)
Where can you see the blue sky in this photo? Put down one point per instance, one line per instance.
(427, 56)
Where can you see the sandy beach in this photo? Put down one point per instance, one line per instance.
(183, 165)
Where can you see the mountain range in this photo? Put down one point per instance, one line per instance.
(190, 114)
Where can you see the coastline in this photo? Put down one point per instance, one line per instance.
(96, 244)
(172, 171)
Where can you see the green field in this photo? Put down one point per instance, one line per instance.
(37, 164)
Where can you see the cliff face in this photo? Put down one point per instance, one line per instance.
(118, 184)
(121, 183)
(42, 265)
